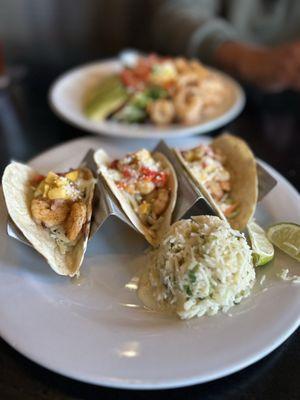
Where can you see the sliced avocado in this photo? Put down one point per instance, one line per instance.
(106, 98)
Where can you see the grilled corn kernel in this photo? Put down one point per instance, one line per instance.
(144, 208)
(73, 175)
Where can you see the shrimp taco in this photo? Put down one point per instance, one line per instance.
(225, 172)
(145, 184)
(53, 212)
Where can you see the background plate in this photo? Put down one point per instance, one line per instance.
(67, 93)
(94, 329)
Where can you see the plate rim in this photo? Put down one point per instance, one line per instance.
(198, 129)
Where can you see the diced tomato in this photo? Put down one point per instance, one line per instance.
(147, 173)
(137, 77)
(127, 173)
(128, 78)
(114, 164)
(142, 70)
(159, 178)
(37, 179)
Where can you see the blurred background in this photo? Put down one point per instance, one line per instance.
(58, 34)
(41, 39)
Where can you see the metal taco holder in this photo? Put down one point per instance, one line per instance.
(104, 204)
(190, 200)
(266, 182)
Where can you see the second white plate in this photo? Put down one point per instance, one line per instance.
(67, 93)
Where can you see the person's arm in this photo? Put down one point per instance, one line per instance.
(274, 69)
(191, 28)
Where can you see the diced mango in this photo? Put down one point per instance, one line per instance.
(51, 178)
(144, 208)
(46, 188)
(60, 182)
(73, 175)
(57, 193)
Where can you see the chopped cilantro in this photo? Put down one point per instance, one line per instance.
(156, 92)
(187, 289)
(192, 276)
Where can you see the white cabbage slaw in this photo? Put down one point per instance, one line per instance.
(201, 267)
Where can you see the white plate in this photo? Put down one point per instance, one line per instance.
(67, 93)
(96, 330)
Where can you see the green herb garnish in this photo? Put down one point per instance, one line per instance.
(188, 290)
(192, 276)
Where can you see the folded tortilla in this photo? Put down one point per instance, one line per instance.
(240, 163)
(18, 194)
(102, 160)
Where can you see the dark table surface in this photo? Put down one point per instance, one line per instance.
(271, 125)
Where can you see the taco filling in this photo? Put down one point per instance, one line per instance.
(207, 166)
(145, 184)
(60, 205)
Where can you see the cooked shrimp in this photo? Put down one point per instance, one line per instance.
(194, 154)
(225, 185)
(188, 79)
(198, 69)
(181, 65)
(160, 204)
(49, 213)
(215, 190)
(213, 92)
(161, 111)
(76, 219)
(188, 105)
(151, 196)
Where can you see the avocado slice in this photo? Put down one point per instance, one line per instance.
(106, 98)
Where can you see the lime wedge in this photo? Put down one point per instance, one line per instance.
(286, 236)
(262, 248)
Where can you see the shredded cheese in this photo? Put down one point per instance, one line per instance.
(284, 275)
